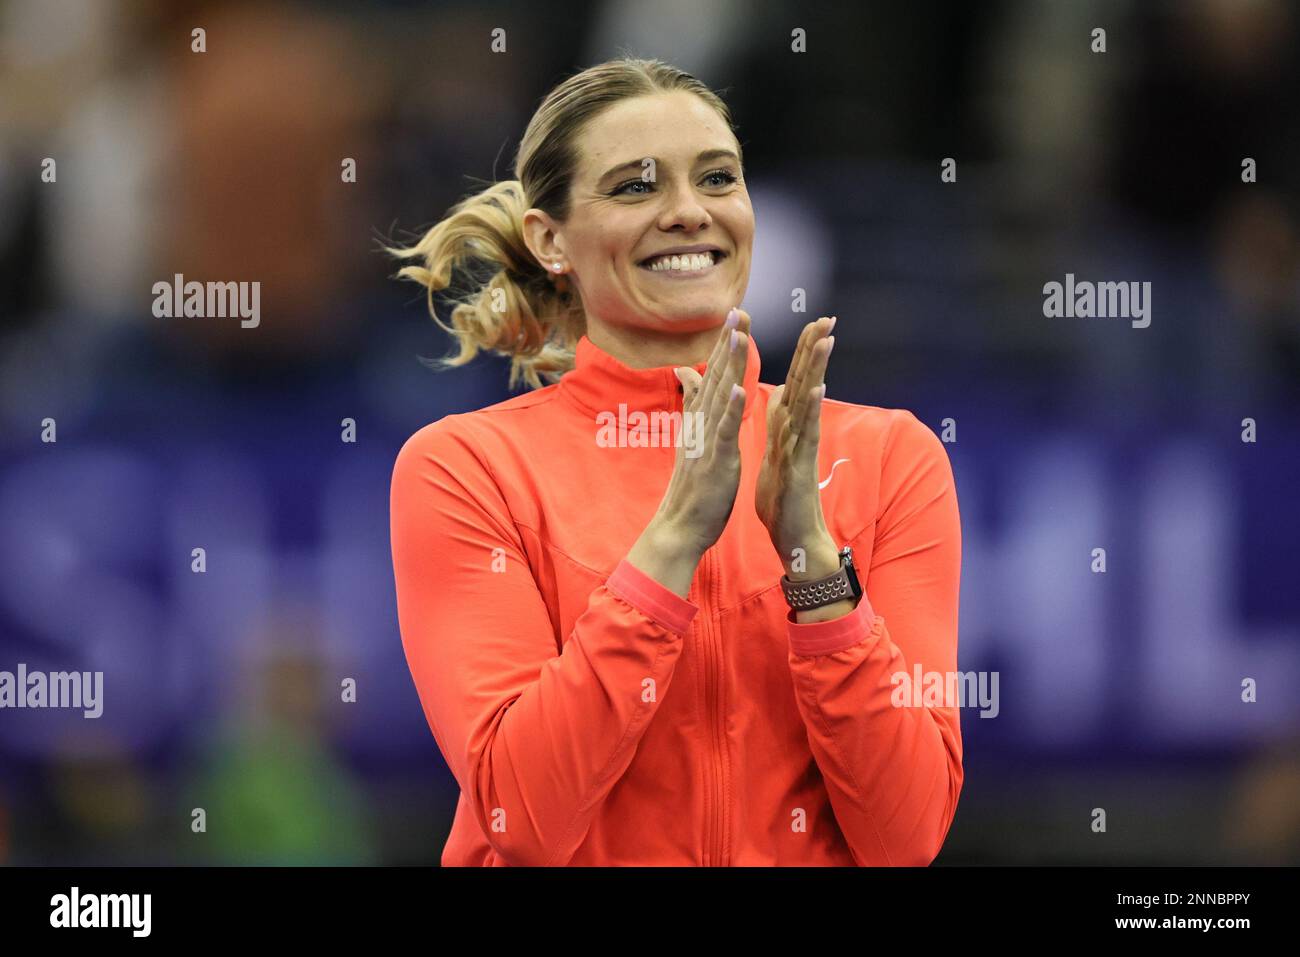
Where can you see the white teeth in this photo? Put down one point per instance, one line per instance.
(687, 263)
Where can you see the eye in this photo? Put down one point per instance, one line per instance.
(727, 177)
(632, 182)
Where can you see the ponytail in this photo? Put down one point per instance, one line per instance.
(516, 310)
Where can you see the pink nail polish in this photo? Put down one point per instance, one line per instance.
(831, 327)
(733, 318)
(732, 346)
(736, 392)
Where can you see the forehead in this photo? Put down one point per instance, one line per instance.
(667, 126)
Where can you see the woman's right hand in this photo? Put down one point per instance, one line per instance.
(706, 471)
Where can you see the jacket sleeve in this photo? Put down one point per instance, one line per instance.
(535, 736)
(893, 770)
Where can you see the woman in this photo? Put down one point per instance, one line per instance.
(610, 639)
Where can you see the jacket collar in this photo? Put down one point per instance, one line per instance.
(598, 382)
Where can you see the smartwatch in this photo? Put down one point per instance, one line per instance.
(803, 596)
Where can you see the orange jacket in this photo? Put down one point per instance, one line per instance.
(593, 717)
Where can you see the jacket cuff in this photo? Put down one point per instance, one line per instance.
(810, 639)
(656, 601)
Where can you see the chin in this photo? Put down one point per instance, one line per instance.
(700, 307)
(696, 316)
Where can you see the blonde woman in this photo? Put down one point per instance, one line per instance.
(643, 652)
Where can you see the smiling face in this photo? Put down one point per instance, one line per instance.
(625, 212)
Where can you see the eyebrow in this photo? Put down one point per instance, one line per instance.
(704, 157)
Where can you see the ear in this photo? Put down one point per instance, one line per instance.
(541, 236)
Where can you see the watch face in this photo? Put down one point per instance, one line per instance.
(855, 586)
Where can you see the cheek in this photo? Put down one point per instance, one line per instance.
(739, 220)
(591, 244)
(614, 235)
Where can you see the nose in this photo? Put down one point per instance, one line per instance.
(683, 207)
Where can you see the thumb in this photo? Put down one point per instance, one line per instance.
(690, 380)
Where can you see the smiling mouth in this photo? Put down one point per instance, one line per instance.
(684, 264)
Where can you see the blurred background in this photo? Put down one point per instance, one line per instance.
(1119, 690)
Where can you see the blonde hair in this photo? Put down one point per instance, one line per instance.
(519, 310)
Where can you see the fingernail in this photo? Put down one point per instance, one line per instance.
(821, 392)
(736, 392)
(831, 327)
(733, 318)
(734, 337)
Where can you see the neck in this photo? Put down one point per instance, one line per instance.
(650, 348)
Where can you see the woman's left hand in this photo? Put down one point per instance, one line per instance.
(787, 497)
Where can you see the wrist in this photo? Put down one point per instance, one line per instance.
(819, 558)
(666, 556)
(671, 540)
(824, 560)
(829, 612)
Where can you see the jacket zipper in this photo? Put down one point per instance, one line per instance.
(717, 822)
(714, 789)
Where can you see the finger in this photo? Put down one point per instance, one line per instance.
(810, 432)
(775, 407)
(817, 366)
(800, 361)
(739, 359)
(742, 343)
(691, 382)
(743, 321)
(726, 440)
(689, 430)
(712, 364)
(814, 376)
(781, 442)
(777, 416)
(799, 369)
(798, 408)
(819, 361)
(719, 365)
(732, 373)
(797, 361)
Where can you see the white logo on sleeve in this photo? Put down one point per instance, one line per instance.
(827, 481)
